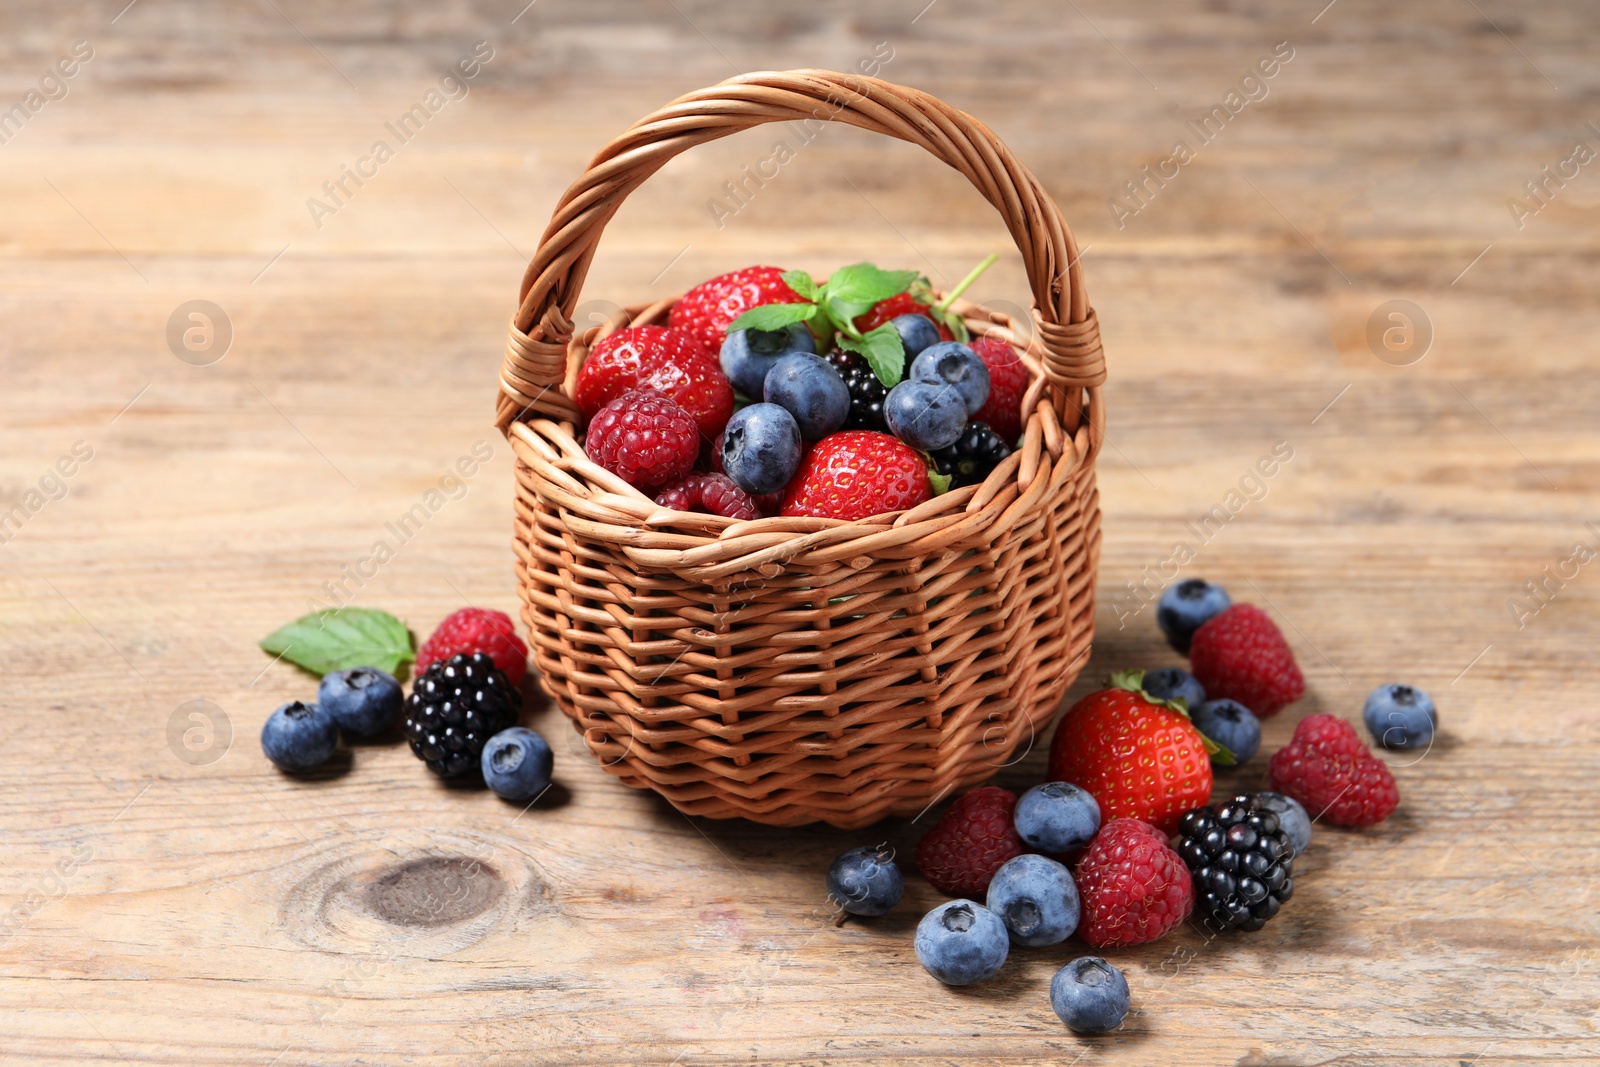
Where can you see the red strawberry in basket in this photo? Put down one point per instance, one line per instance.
(1008, 380)
(1139, 758)
(1240, 654)
(705, 311)
(853, 474)
(670, 361)
(903, 304)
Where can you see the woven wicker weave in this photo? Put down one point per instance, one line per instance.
(793, 671)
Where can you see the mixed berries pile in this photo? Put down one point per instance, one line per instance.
(1124, 843)
(460, 717)
(770, 393)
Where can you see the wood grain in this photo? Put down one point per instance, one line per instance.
(159, 910)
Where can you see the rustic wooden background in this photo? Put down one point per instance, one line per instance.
(166, 896)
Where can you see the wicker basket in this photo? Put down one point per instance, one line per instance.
(792, 671)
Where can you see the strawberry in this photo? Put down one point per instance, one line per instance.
(973, 840)
(856, 473)
(705, 311)
(669, 361)
(1139, 757)
(1327, 768)
(903, 304)
(1134, 888)
(1008, 380)
(1240, 654)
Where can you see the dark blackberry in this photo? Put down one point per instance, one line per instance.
(866, 391)
(455, 706)
(976, 452)
(1241, 861)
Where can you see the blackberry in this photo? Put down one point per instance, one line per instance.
(866, 391)
(976, 452)
(455, 706)
(1241, 860)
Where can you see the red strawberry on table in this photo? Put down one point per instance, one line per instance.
(1328, 769)
(670, 361)
(1008, 380)
(1134, 887)
(1240, 654)
(973, 840)
(705, 311)
(1140, 758)
(854, 474)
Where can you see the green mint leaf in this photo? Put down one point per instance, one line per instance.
(939, 483)
(340, 638)
(773, 316)
(863, 283)
(843, 313)
(802, 283)
(884, 352)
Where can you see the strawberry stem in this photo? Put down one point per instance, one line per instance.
(962, 286)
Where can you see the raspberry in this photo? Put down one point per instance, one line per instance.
(1240, 654)
(1008, 380)
(1134, 888)
(857, 473)
(455, 706)
(705, 311)
(715, 494)
(973, 840)
(1327, 768)
(1241, 860)
(477, 630)
(669, 361)
(644, 438)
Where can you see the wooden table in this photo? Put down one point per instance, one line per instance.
(168, 897)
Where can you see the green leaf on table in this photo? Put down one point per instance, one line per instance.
(773, 316)
(883, 350)
(802, 283)
(337, 639)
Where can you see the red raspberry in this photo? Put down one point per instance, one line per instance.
(477, 630)
(1240, 654)
(973, 840)
(904, 304)
(1327, 768)
(1008, 380)
(856, 473)
(644, 438)
(1133, 886)
(654, 357)
(715, 494)
(705, 311)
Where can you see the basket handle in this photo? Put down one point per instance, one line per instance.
(1066, 335)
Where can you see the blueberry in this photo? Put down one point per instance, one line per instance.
(747, 355)
(953, 363)
(1292, 818)
(1231, 725)
(960, 942)
(1184, 607)
(809, 389)
(916, 333)
(298, 737)
(865, 881)
(761, 448)
(1400, 716)
(1172, 683)
(1056, 817)
(364, 701)
(1036, 898)
(516, 763)
(1090, 995)
(924, 415)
